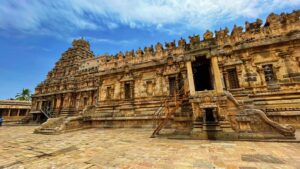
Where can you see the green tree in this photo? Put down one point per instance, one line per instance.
(24, 95)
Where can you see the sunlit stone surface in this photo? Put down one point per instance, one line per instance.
(132, 148)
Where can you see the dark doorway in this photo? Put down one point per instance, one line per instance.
(209, 116)
(172, 85)
(39, 117)
(202, 74)
(46, 105)
(85, 101)
(22, 112)
(127, 91)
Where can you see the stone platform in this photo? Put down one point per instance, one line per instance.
(132, 148)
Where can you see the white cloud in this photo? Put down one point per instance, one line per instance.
(106, 40)
(64, 16)
(112, 25)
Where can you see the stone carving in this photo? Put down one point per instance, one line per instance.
(139, 53)
(256, 121)
(269, 74)
(208, 35)
(170, 45)
(129, 54)
(273, 19)
(286, 57)
(194, 40)
(253, 26)
(236, 33)
(222, 34)
(289, 18)
(171, 69)
(233, 99)
(181, 43)
(159, 47)
(60, 125)
(148, 51)
(120, 56)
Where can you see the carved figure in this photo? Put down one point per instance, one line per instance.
(139, 53)
(253, 26)
(208, 35)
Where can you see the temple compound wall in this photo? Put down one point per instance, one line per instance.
(243, 81)
(13, 111)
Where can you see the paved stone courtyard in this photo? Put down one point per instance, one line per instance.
(132, 148)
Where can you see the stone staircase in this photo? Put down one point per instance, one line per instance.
(51, 126)
(198, 125)
(48, 113)
(125, 109)
(25, 120)
(169, 107)
(240, 94)
(211, 127)
(66, 112)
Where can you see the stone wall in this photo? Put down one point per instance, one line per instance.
(258, 67)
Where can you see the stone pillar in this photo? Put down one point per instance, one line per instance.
(99, 91)
(190, 77)
(185, 82)
(8, 114)
(92, 95)
(226, 82)
(217, 75)
(18, 112)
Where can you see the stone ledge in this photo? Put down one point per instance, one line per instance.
(124, 118)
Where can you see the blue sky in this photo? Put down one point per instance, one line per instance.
(34, 33)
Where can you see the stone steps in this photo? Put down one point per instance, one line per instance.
(197, 124)
(48, 131)
(211, 127)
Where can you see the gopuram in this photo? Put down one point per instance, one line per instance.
(238, 85)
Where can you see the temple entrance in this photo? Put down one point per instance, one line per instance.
(209, 116)
(202, 74)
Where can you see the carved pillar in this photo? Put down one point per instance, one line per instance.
(260, 72)
(18, 114)
(54, 102)
(99, 92)
(217, 74)
(190, 77)
(185, 81)
(90, 96)
(40, 104)
(33, 104)
(61, 104)
(95, 96)
(223, 81)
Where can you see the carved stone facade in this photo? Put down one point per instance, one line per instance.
(224, 76)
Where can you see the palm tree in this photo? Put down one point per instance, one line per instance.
(24, 95)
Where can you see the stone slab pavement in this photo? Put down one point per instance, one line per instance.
(132, 148)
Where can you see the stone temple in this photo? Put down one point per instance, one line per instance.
(243, 84)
